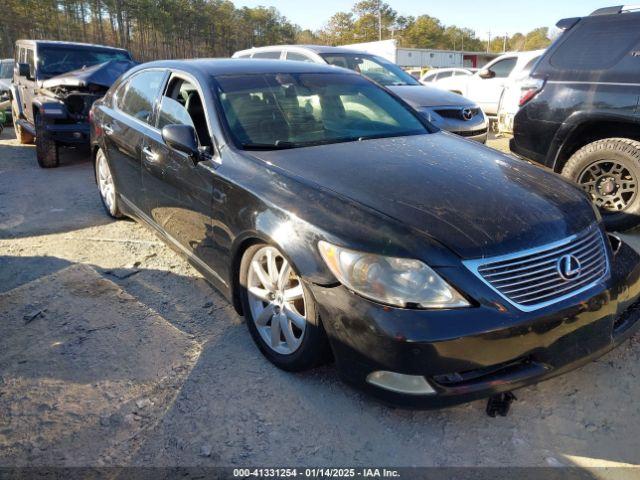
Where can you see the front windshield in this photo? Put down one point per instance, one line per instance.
(376, 68)
(6, 68)
(58, 60)
(285, 110)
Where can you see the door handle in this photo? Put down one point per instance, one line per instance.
(149, 154)
(108, 129)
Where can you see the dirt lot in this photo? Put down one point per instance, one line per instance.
(114, 351)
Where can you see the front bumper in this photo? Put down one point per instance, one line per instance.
(69, 134)
(476, 352)
(477, 135)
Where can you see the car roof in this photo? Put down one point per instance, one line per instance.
(69, 44)
(313, 48)
(231, 66)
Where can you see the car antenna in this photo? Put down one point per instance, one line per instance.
(500, 404)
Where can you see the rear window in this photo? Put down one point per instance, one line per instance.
(597, 43)
(271, 55)
(141, 94)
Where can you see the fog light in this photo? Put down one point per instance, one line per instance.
(400, 383)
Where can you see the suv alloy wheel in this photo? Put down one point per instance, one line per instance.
(609, 171)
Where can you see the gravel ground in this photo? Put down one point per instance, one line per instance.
(114, 351)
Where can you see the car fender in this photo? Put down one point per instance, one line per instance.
(294, 237)
(48, 107)
(576, 120)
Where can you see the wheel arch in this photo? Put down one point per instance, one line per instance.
(306, 261)
(582, 130)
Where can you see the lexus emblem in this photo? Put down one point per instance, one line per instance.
(569, 267)
(467, 113)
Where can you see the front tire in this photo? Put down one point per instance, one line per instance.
(280, 311)
(106, 186)
(46, 149)
(609, 170)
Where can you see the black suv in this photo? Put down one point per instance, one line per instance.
(580, 112)
(54, 87)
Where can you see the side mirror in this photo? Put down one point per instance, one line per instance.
(486, 74)
(182, 138)
(24, 70)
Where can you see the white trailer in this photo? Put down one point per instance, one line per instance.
(423, 57)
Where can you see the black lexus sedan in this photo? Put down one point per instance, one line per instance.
(339, 222)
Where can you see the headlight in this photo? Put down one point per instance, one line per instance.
(401, 282)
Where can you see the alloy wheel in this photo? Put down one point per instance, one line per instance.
(105, 182)
(277, 301)
(611, 184)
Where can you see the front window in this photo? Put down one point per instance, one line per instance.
(376, 68)
(272, 111)
(503, 68)
(182, 105)
(57, 60)
(6, 69)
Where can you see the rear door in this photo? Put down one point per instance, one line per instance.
(130, 120)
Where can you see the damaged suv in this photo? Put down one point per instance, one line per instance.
(54, 87)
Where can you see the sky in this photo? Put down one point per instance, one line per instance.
(497, 16)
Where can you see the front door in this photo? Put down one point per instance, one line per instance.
(486, 91)
(179, 191)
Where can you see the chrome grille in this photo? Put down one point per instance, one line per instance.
(533, 279)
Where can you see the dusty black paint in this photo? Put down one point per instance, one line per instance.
(433, 197)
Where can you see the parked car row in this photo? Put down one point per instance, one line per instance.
(487, 86)
(331, 210)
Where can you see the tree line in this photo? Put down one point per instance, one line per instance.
(154, 29)
(370, 20)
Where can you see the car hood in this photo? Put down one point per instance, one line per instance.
(476, 201)
(5, 84)
(420, 96)
(103, 74)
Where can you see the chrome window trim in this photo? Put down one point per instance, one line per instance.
(475, 264)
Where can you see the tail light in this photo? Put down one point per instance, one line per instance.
(529, 90)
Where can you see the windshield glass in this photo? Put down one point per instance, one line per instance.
(58, 60)
(376, 68)
(274, 111)
(6, 68)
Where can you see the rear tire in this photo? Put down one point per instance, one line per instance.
(23, 137)
(46, 149)
(295, 349)
(106, 185)
(609, 170)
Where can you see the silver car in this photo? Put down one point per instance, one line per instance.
(6, 72)
(448, 111)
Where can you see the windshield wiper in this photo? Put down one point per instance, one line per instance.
(278, 145)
